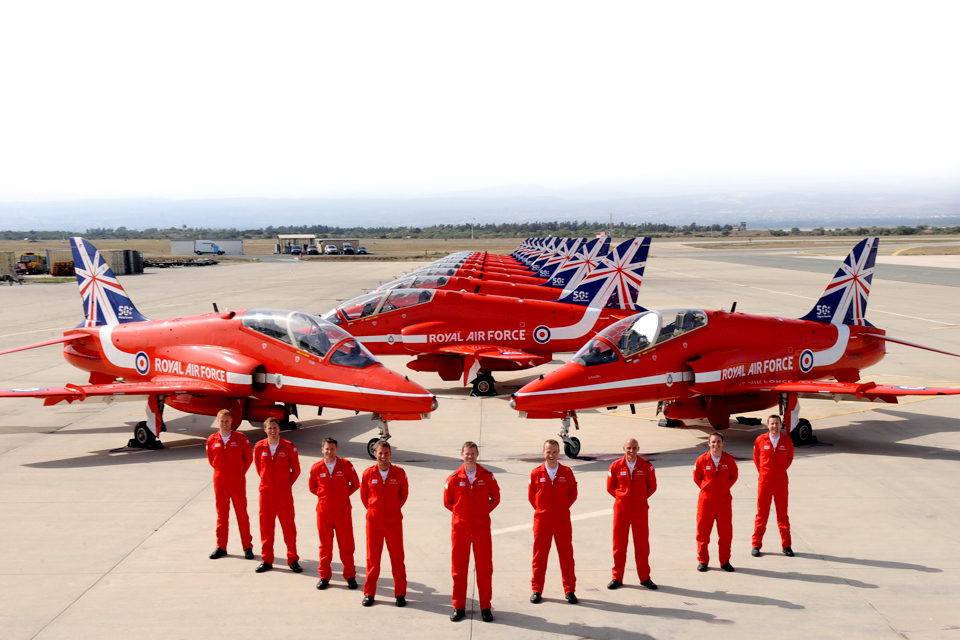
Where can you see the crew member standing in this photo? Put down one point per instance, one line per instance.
(772, 454)
(471, 493)
(333, 480)
(552, 491)
(715, 472)
(631, 481)
(278, 464)
(230, 456)
(383, 491)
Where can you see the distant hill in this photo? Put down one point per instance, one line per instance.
(760, 210)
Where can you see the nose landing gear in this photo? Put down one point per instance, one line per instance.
(571, 445)
(383, 437)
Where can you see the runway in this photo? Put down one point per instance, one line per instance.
(114, 544)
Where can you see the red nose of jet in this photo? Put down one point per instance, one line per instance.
(386, 391)
(559, 390)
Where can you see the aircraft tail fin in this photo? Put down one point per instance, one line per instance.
(845, 299)
(615, 282)
(580, 263)
(104, 300)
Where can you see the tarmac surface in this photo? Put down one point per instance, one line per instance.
(108, 543)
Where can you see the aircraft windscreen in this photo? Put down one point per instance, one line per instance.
(676, 322)
(634, 334)
(301, 330)
(352, 354)
(362, 306)
(596, 352)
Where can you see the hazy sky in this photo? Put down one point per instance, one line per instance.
(291, 99)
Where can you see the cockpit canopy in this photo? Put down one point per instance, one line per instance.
(415, 282)
(637, 333)
(383, 302)
(310, 334)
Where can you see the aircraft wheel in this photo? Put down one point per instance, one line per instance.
(372, 447)
(669, 422)
(572, 447)
(288, 425)
(143, 438)
(802, 433)
(483, 385)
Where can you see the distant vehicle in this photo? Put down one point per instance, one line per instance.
(32, 264)
(330, 250)
(312, 250)
(347, 248)
(295, 250)
(361, 250)
(201, 247)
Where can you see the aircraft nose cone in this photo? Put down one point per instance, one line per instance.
(391, 392)
(547, 393)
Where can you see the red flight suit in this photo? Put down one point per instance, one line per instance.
(551, 501)
(277, 472)
(471, 505)
(772, 463)
(334, 513)
(383, 499)
(715, 503)
(630, 509)
(230, 462)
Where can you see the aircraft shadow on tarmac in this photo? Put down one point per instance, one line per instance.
(726, 596)
(308, 437)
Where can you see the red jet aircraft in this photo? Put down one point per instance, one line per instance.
(704, 364)
(457, 333)
(259, 363)
(563, 276)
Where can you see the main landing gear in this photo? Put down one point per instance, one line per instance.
(802, 434)
(383, 437)
(483, 385)
(143, 438)
(571, 445)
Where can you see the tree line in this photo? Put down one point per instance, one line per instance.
(460, 231)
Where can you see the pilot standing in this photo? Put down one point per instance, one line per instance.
(772, 454)
(230, 455)
(383, 491)
(715, 472)
(631, 481)
(333, 480)
(278, 464)
(471, 493)
(552, 491)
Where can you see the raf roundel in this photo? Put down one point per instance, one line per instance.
(142, 363)
(541, 334)
(806, 360)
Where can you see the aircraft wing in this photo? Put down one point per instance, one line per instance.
(492, 351)
(869, 391)
(167, 385)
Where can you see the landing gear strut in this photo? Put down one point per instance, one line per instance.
(483, 385)
(383, 437)
(287, 424)
(571, 445)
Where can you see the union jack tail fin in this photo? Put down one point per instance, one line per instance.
(580, 263)
(104, 300)
(615, 282)
(845, 299)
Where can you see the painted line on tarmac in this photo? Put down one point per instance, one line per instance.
(527, 527)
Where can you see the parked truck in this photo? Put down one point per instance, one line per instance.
(32, 264)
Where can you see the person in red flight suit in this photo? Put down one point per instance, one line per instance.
(230, 455)
(551, 492)
(278, 464)
(772, 454)
(333, 480)
(715, 472)
(471, 493)
(631, 481)
(383, 491)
